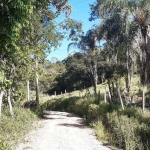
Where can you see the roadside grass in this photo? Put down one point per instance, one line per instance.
(12, 130)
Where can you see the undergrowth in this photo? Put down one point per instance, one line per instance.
(127, 129)
(13, 129)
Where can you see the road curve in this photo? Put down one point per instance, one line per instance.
(61, 131)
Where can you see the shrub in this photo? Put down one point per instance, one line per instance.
(60, 104)
(93, 112)
(13, 129)
(80, 107)
(128, 129)
(104, 108)
(101, 133)
(122, 130)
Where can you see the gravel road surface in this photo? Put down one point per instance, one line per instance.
(61, 131)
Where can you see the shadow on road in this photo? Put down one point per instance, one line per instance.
(72, 125)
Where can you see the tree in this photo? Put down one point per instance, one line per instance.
(120, 20)
(21, 41)
(87, 45)
(49, 76)
(77, 75)
(10, 26)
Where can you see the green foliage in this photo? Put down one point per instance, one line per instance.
(106, 107)
(77, 105)
(13, 129)
(127, 129)
(28, 31)
(74, 27)
(101, 133)
(52, 73)
(37, 111)
(81, 107)
(122, 131)
(93, 112)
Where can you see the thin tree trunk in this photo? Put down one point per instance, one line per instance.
(37, 83)
(143, 98)
(93, 81)
(110, 91)
(99, 95)
(9, 102)
(28, 92)
(128, 80)
(128, 65)
(95, 89)
(1, 98)
(95, 78)
(95, 70)
(113, 90)
(105, 98)
(119, 94)
(110, 97)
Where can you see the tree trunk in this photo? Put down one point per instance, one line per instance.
(1, 98)
(110, 97)
(9, 102)
(93, 81)
(110, 91)
(119, 94)
(105, 98)
(113, 90)
(95, 77)
(95, 88)
(28, 92)
(99, 96)
(143, 98)
(128, 65)
(128, 79)
(37, 83)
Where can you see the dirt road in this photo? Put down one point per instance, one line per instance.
(61, 131)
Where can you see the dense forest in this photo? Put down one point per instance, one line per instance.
(112, 64)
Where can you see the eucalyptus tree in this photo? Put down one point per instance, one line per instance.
(45, 34)
(122, 21)
(87, 45)
(119, 41)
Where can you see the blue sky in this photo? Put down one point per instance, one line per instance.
(81, 12)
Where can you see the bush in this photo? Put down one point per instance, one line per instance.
(60, 104)
(13, 129)
(128, 129)
(123, 131)
(101, 133)
(75, 105)
(93, 112)
(104, 108)
(81, 106)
